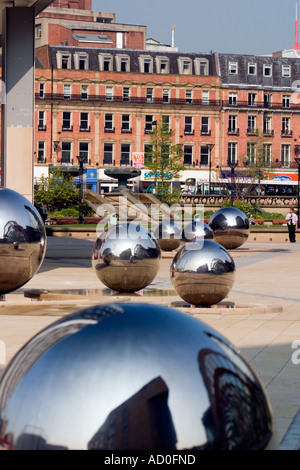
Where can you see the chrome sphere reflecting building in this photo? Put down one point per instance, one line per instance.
(22, 240)
(132, 377)
(196, 230)
(202, 272)
(168, 235)
(230, 226)
(126, 257)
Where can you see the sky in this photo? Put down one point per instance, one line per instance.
(256, 27)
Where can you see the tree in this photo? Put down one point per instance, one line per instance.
(56, 190)
(163, 158)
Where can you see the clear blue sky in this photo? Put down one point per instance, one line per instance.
(236, 26)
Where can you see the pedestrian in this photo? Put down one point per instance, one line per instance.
(43, 212)
(292, 220)
(251, 220)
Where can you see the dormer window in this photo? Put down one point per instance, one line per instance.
(105, 63)
(81, 61)
(201, 66)
(267, 70)
(251, 69)
(185, 66)
(162, 65)
(233, 68)
(146, 64)
(122, 63)
(63, 60)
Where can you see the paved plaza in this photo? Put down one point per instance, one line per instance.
(263, 323)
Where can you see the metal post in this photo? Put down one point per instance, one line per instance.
(209, 146)
(232, 166)
(297, 159)
(81, 159)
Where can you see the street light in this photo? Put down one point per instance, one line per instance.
(209, 146)
(80, 159)
(297, 160)
(232, 164)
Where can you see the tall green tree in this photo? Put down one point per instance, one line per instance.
(164, 159)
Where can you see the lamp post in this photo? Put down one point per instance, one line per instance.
(209, 146)
(232, 164)
(80, 159)
(297, 159)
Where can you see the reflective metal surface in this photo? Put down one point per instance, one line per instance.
(126, 257)
(132, 377)
(22, 240)
(197, 230)
(230, 226)
(202, 272)
(168, 235)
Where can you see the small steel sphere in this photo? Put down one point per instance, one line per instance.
(230, 226)
(132, 377)
(197, 230)
(168, 235)
(202, 272)
(22, 240)
(126, 257)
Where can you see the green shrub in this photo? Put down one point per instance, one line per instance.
(241, 205)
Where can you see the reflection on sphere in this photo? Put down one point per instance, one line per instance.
(230, 227)
(168, 235)
(132, 377)
(196, 230)
(126, 257)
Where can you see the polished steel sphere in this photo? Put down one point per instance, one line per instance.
(22, 240)
(126, 257)
(132, 377)
(197, 230)
(168, 235)
(230, 226)
(202, 272)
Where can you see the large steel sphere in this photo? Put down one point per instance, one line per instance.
(202, 272)
(197, 230)
(132, 377)
(22, 240)
(126, 257)
(230, 226)
(168, 235)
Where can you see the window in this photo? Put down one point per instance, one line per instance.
(251, 69)
(267, 129)
(286, 101)
(162, 65)
(188, 96)
(42, 90)
(267, 100)
(65, 61)
(166, 93)
(267, 153)
(109, 93)
(232, 98)
(232, 152)
(109, 124)
(251, 152)
(67, 92)
(267, 70)
(81, 61)
(149, 95)
(285, 126)
(205, 126)
(204, 155)
(148, 149)
(66, 152)
(251, 124)
(84, 151)
(286, 71)
(38, 31)
(108, 154)
(126, 123)
(188, 155)
(41, 122)
(165, 123)
(201, 66)
(84, 92)
(233, 68)
(84, 122)
(41, 152)
(251, 99)
(188, 125)
(184, 66)
(122, 63)
(125, 154)
(105, 63)
(205, 97)
(66, 121)
(232, 123)
(285, 155)
(146, 64)
(126, 93)
(148, 123)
